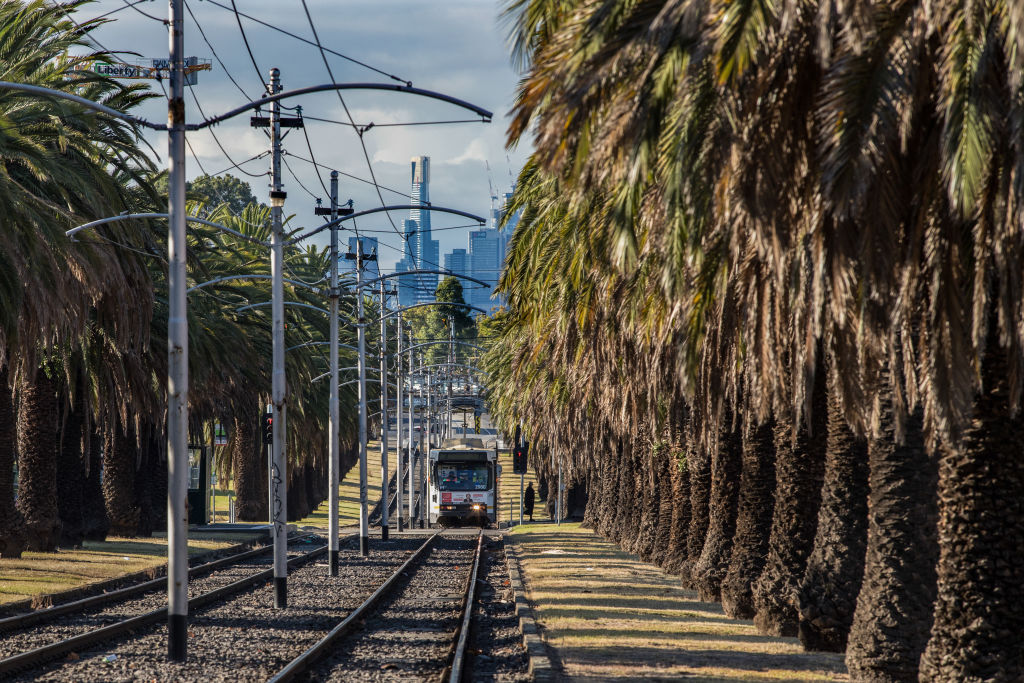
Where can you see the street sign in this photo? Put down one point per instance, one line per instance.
(220, 437)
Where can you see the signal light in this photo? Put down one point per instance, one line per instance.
(268, 429)
(519, 454)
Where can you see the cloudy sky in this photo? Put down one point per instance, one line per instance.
(457, 47)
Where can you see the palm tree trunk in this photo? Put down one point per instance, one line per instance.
(828, 591)
(37, 461)
(699, 465)
(663, 479)
(979, 614)
(753, 522)
(247, 463)
(649, 506)
(894, 608)
(119, 465)
(71, 471)
(95, 524)
(726, 465)
(680, 474)
(12, 525)
(799, 471)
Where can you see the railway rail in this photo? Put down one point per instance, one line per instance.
(413, 622)
(89, 636)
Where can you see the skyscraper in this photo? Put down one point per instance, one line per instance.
(421, 252)
(487, 258)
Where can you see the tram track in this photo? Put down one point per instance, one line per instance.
(116, 624)
(25, 620)
(234, 632)
(416, 624)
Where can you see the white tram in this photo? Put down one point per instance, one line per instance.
(462, 483)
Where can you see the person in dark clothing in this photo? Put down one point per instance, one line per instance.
(528, 501)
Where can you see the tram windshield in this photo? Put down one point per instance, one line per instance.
(470, 476)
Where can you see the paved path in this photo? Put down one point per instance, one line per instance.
(607, 616)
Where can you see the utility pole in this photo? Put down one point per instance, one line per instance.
(177, 350)
(398, 425)
(412, 419)
(424, 459)
(279, 473)
(450, 369)
(364, 528)
(334, 463)
(384, 478)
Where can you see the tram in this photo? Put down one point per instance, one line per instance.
(462, 483)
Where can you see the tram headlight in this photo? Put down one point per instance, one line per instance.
(478, 507)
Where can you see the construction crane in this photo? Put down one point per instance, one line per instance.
(490, 185)
(156, 68)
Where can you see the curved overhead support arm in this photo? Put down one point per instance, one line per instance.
(408, 89)
(379, 209)
(297, 283)
(190, 219)
(454, 365)
(286, 303)
(432, 343)
(427, 272)
(88, 104)
(321, 343)
(395, 312)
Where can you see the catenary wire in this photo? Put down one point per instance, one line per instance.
(132, 5)
(238, 18)
(349, 175)
(348, 115)
(309, 42)
(214, 52)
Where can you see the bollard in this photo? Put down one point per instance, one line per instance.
(231, 508)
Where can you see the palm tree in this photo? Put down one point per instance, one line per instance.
(753, 521)
(830, 585)
(710, 568)
(12, 525)
(37, 462)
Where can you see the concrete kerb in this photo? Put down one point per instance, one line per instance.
(541, 668)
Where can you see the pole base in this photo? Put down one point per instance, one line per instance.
(280, 592)
(400, 525)
(364, 546)
(422, 524)
(384, 533)
(177, 637)
(333, 562)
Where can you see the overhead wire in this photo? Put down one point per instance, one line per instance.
(245, 39)
(349, 175)
(214, 52)
(348, 114)
(121, 9)
(215, 139)
(132, 5)
(309, 42)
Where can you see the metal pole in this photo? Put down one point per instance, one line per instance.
(450, 369)
(424, 453)
(364, 530)
(399, 480)
(334, 463)
(521, 478)
(412, 416)
(384, 488)
(279, 473)
(177, 351)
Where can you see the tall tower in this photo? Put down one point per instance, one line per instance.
(424, 250)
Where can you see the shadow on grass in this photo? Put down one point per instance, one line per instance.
(725, 659)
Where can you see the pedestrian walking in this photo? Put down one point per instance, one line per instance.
(528, 501)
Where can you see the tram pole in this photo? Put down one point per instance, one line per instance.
(364, 531)
(279, 474)
(177, 351)
(412, 416)
(384, 483)
(398, 426)
(335, 447)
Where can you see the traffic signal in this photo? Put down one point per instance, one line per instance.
(268, 429)
(519, 459)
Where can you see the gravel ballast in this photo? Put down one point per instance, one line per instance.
(495, 651)
(409, 634)
(244, 638)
